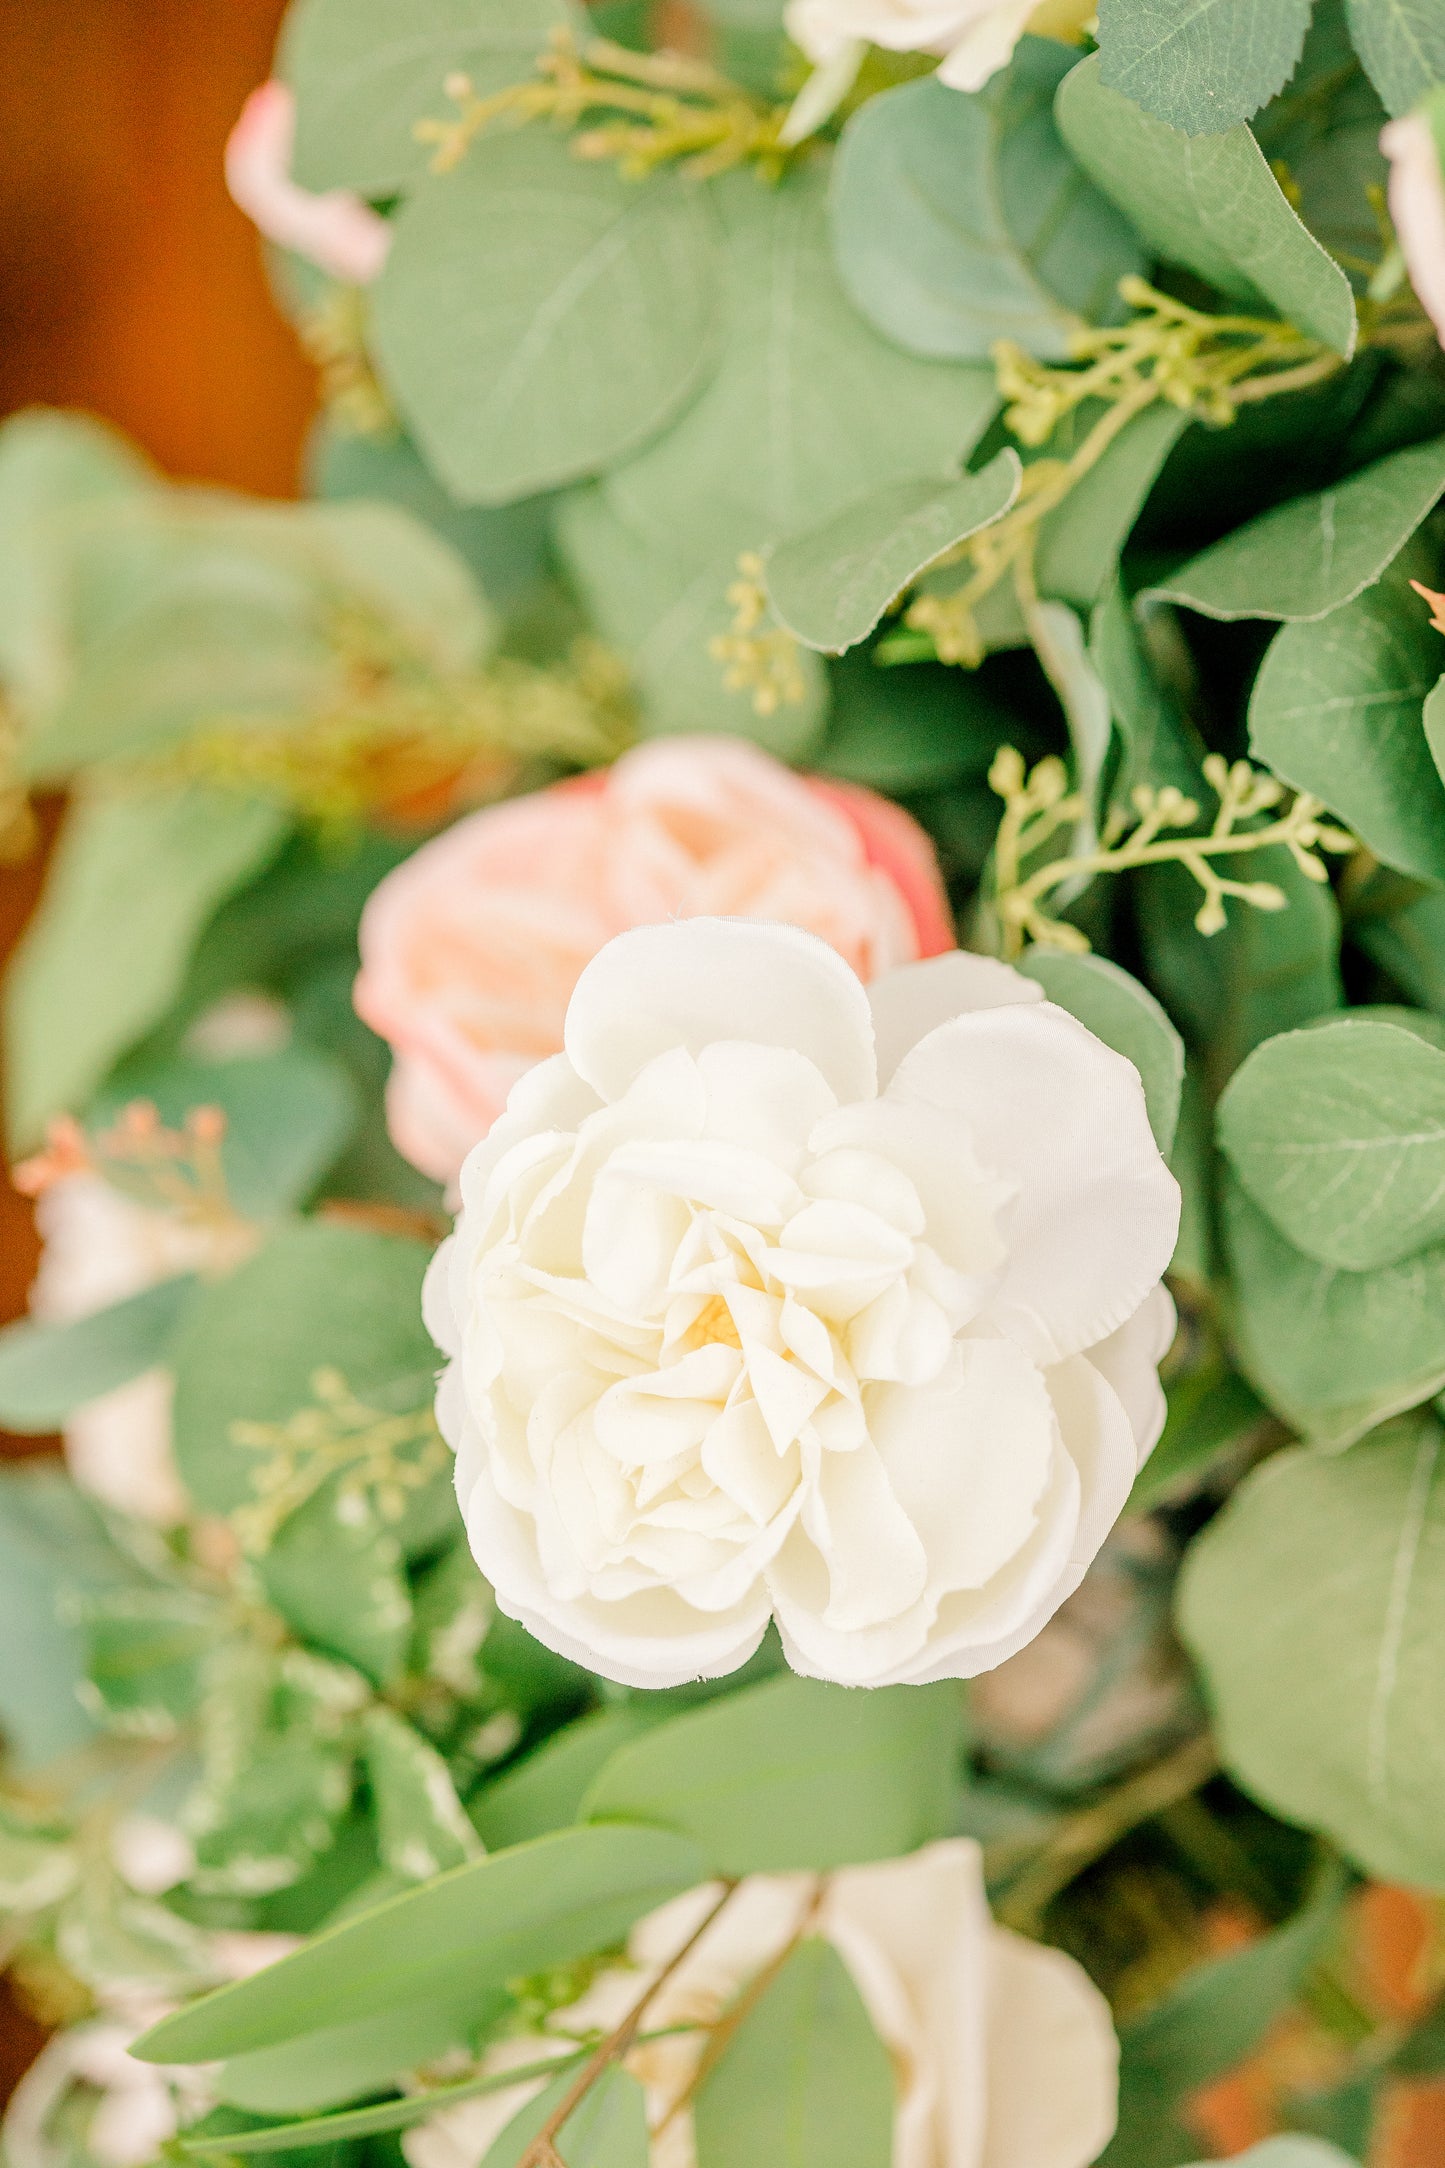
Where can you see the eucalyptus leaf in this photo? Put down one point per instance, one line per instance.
(831, 584)
(47, 1370)
(1333, 1352)
(1080, 542)
(1158, 746)
(960, 218)
(52, 1543)
(540, 317)
(1201, 65)
(446, 1948)
(1337, 710)
(904, 731)
(607, 2128)
(1433, 717)
(795, 1774)
(1125, 1015)
(1339, 1135)
(805, 2079)
(1209, 203)
(334, 1573)
(134, 880)
(1330, 1562)
(145, 1649)
(546, 1789)
(364, 76)
(1402, 43)
(423, 1828)
(1308, 557)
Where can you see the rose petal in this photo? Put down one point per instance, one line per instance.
(1053, 2060)
(708, 979)
(916, 998)
(1129, 1359)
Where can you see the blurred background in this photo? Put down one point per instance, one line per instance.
(131, 286)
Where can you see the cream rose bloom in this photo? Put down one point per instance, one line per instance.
(1417, 202)
(975, 37)
(736, 1334)
(1004, 2052)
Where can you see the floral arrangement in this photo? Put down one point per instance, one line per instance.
(734, 1075)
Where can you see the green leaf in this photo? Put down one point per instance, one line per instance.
(1157, 744)
(805, 2080)
(661, 612)
(845, 411)
(423, 1829)
(1333, 1352)
(1433, 717)
(133, 882)
(832, 584)
(1208, 2024)
(1336, 710)
(1307, 557)
(961, 219)
(546, 1790)
(1080, 543)
(902, 731)
(336, 2064)
(1331, 1563)
(795, 1774)
(1338, 1133)
(145, 1648)
(52, 1542)
(1209, 203)
(607, 2128)
(1125, 1015)
(1211, 1411)
(1291, 2152)
(1410, 945)
(1402, 43)
(364, 76)
(318, 1296)
(1201, 65)
(445, 1949)
(288, 1115)
(47, 1371)
(540, 317)
(334, 1572)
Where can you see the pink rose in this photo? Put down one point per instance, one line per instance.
(337, 231)
(470, 951)
(1417, 203)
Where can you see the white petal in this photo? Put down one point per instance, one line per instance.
(695, 981)
(876, 1564)
(1053, 2060)
(916, 998)
(1053, 1110)
(437, 1308)
(987, 46)
(1130, 1360)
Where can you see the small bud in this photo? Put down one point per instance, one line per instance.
(458, 86)
(1007, 773)
(1266, 897)
(1210, 918)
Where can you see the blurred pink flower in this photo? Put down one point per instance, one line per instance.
(471, 949)
(336, 231)
(1417, 206)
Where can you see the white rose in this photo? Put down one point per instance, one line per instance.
(737, 1337)
(1004, 2052)
(1417, 205)
(100, 1247)
(975, 37)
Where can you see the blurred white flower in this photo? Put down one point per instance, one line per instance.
(1417, 204)
(737, 1336)
(974, 37)
(1004, 2052)
(336, 231)
(99, 1248)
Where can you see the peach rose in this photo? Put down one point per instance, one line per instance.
(471, 949)
(1417, 201)
(337, 231)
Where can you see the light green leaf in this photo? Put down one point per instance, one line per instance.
(335, 2064)
(805, 2080)
(144, 1649)
(1080, 543)
(961, 219)
(1125, 1015)
(1402, 43)
(809, 410)
(364, 76)
(794, 1774)
(545, 1791)
(318, 1296)
(334, 1572)
(1331, 1562)
(661, 612)
(447, 1948)
(422, 1827)
(1433, 717)
(1209, 203)
(1307, 557)
(132, 885)
(607, 2129)
(1333, 1352)
(1336, 710)
(36, 1868)
(1339, 1135)
(1201, 65)
(540, 317)
(1291, 2152)
(52, 1543)
(831, 584)
(48, 1370)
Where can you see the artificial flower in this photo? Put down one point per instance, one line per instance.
(1004, 2052)
(766, 1303)
(1413, 146)
(471, 949)
(336, 231)
(975, 37)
